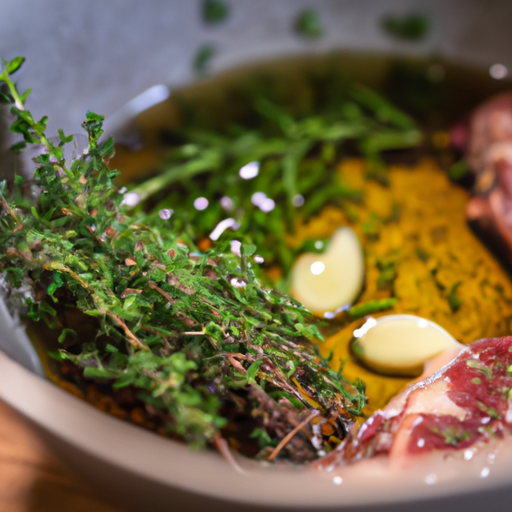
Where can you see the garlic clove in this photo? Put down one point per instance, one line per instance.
(400, 344)
(329, 281)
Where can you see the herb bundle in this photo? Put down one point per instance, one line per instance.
(195, 335)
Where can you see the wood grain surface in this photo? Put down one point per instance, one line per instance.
(34, 480)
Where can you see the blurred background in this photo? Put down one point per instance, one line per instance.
(99, 54)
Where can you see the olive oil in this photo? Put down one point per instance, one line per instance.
(434, 91)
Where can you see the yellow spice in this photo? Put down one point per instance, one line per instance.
(417, 226)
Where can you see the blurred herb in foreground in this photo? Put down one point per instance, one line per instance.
(194, 335)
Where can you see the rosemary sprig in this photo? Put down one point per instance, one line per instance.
(194, 334)
(293, 162)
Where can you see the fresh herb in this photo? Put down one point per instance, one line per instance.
(372, 226)
(309, 24)
(373, 306)
(195, 335)
(413, 27)
(215, 11)
(387, 265)
(423, 255)
(451, 435)
(491, 411)
(458, 170)
(264, 178)
(387, 276)
(477, 365)
(453, 300)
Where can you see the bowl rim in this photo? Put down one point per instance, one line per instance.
(206, 473)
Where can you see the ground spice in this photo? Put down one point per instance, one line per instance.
(419, 249)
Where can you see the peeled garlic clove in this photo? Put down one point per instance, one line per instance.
(326, 282)
(400, 344)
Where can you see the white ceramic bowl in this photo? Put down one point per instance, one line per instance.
(98, 55)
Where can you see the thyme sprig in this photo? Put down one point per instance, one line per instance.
(194, 334)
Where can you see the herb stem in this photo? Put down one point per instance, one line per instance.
(290, 435)
(370, 307)
(132, 339)
(155, 287)
(223, 447)
(207, 162)
(37, 128)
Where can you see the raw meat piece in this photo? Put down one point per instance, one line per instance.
(467, 401)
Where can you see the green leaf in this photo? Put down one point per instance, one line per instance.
(58, 355)
(19, 146)
(453, 300)
(413, 27)
(15, 64)
(247, 250)
(63, 138)
(52, 288)
(97, 373)
(42, 123)
(107, 149)
(125, 380)
(94, 125)
(46, 308)
(215, 11)
(261, 435)
(213, 330)
(309, 24)
(129, 301)
(458, 170)
(367, 308)
(385, 111)
(252, 371)
(92, 117)
(158, 275)
(203, 57)
(65, 334)
(24, 95)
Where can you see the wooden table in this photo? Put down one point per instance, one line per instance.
(32, 479)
